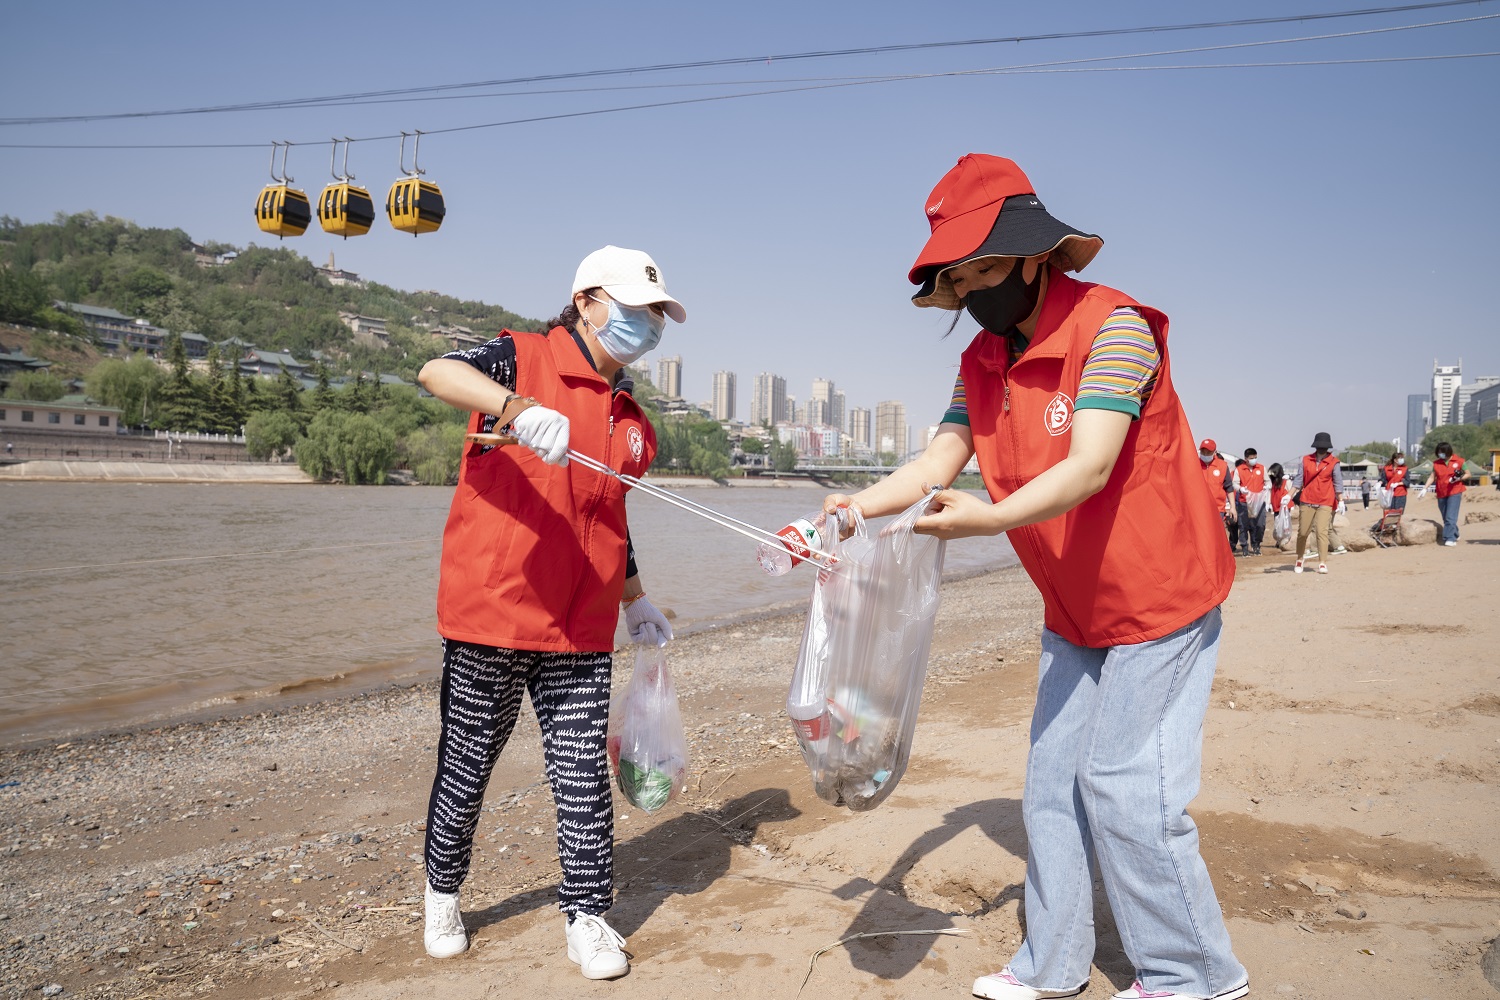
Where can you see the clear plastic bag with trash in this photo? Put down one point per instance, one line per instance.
(857, 688)
(646, 745)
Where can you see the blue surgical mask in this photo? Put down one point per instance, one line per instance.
(629, 333)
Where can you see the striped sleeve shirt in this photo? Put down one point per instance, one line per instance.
(1118, 375)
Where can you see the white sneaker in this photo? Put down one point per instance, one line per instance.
(1322, 567)
(1297, 568)
(444, 935)
(596, 947)
(1450, 543)
(1004, 986)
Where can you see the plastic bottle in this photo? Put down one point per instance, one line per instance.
(797, 539)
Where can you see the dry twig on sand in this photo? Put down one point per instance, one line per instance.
(869, 934)
(319, 928)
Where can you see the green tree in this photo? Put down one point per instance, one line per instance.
(433, 453)
(179, 400)
(23, 296)
(270, 434)
(1471, 441)
(146, 292)
(752, 446)
(1368, 451)
(222, 413)
(323, 397)
(37, 386)
(133, 385)
(783, 454)
(351, 445)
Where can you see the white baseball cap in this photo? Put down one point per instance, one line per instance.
(630, 277)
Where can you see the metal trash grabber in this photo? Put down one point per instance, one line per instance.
(758, 534)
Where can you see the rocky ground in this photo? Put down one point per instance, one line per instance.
(1349, 818)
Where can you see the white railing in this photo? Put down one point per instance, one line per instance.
(180, 436)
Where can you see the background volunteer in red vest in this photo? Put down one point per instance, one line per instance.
(1216, 477)
(1448, 478)
(1066, 398)
(1393, 481)
(1281, 503)
(1318, 487)
(536, 565)
(1252, 496)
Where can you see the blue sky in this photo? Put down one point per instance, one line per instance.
(1318, 234)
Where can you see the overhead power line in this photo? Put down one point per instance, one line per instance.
(367, 96)
(1054, 66)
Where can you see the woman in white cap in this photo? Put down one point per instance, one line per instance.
(536, 565)
(1066, 398)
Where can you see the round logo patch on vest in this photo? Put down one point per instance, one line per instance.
(1058, 416)
(637, 442)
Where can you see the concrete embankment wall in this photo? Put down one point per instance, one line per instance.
(154, 472)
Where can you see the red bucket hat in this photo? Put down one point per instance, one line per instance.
(986, 207)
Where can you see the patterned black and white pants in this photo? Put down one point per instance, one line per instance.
(481, 696)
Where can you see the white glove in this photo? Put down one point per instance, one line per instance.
(1341, 509)
(645, 624)
(545, 432)
(1423, 492)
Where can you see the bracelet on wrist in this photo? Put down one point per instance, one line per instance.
(626, 602)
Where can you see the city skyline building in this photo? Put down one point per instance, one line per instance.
(859, 426)
(1445, 382)
(1418, 417)
(669, 375)
(836, 404)
(722, 406)
(768, 400)
(891, 433)
(1484, 406)
(1463, 397)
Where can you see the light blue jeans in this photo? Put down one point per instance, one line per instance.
(1448, 508)
(1116, 750)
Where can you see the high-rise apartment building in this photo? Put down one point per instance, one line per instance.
(1463, 410)
(723, 401)
(820, 403)
(768, 401)
(1445, 382)
(890, 428)
(1418, 423)
(836, 411)
(669, 376)
(859, 426)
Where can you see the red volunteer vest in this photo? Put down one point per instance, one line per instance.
(1395, 479)
(1214, 475)
(1144, 556)
(534, 554)
(1442, 472)
(1277, 492)
(1253, 478)
(1317, 480)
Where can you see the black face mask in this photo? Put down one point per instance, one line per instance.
(1001, 307)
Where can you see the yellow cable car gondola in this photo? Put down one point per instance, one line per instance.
(282, 209)
(344, 209)
(414, 206)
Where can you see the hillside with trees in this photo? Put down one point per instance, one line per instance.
(350, 425)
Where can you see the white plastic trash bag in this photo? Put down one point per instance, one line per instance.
(647, 748)
(858, 684)
(1282, 526)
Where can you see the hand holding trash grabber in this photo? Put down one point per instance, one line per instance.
(822, 559)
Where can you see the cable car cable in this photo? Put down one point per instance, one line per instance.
(1021, 69)
(748, 60)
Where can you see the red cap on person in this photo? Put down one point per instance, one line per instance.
(1208, 444)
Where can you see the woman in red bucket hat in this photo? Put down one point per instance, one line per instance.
(1066, 398)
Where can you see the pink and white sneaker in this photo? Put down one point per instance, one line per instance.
(1139, 992)
(1004, 986)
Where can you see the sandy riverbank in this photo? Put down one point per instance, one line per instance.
(1350, 817)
